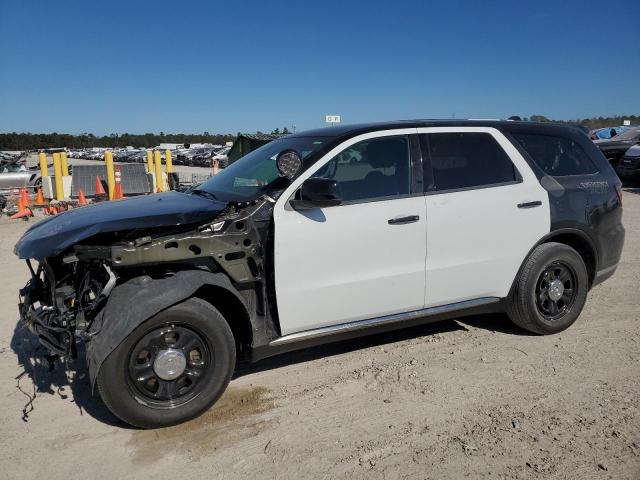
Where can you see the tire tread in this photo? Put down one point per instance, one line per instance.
(518, 309)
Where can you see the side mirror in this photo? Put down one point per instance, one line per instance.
(317, 193)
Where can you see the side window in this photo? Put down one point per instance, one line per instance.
(371, 169)
(466, 160)
(556, 156)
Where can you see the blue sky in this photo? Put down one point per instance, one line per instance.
(194, 66)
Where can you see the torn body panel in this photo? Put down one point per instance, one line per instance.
(136, 300)
(235, 242)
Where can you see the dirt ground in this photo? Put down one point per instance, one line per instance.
(473, 398)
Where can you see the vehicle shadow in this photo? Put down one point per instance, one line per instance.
(40, 376)
(495, 322)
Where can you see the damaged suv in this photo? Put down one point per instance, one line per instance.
(316, 237)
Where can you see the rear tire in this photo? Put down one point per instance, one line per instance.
(550, 291)
(198, 340)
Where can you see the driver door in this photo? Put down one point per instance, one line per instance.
(359, 260)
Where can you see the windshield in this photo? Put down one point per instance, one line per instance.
(12, 168)
(256, 173)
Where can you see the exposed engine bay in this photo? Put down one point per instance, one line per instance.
(67, 296)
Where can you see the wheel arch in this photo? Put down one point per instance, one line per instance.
(574, 238)
(581, 243)
(232, 309)
(133, 302)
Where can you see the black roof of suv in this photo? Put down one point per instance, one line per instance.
(349, 130)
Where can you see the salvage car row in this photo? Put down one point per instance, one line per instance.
(197, 156)
(623, 152)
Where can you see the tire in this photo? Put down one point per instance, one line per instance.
(133, 402)
(531, 304)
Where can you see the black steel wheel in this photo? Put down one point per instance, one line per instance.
(550, 290)
(556, 290)
(171, 368)
(166, 366)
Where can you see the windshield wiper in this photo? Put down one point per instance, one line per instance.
(204, 193)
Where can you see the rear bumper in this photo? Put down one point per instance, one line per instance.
(604, 274)
(629, 167)
(611, 243)
(628, 172)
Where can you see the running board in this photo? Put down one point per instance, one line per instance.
(380, 321)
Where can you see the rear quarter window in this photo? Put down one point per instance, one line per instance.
(556, 156)
(465, 160)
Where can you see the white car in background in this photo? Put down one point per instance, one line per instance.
(15, 174)
(221, 157)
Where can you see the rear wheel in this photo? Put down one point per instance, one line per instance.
(171, 368)
(551, 289)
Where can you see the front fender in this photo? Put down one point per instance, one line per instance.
(139, 299)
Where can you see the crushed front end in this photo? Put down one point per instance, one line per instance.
(96, 285)
(61, 300)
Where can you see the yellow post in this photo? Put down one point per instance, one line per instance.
(159, 182)
(57, 171)
(111, 179)
(168, 161)
(44, 170)
(65, 166)
(149, 161)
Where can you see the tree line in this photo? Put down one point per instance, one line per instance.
(590, 123)
(34, 141)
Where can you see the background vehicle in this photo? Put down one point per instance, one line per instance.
(629, 166)
(320, 236)
(605, 133)
(14, 174)
(221, 157)
(615, 148)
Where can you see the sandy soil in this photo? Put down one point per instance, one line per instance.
(474, 398)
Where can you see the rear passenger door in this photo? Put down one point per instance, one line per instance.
(485, 211)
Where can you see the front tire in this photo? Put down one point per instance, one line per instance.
(550, 291)
(171, 368)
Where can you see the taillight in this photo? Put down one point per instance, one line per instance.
(619, 191)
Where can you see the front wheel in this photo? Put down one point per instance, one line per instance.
(171, 368)
(550, 291)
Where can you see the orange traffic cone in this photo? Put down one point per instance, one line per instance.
(40, 199)
(81, 199)
(99, 188)
(26, 199)
(24, 213)
(21, 204)
(117, 193)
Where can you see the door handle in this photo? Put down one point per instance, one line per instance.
(537, 203)
(403, 220)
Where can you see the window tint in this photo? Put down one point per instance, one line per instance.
(370, 169)
(465, 160)
(556, 156)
